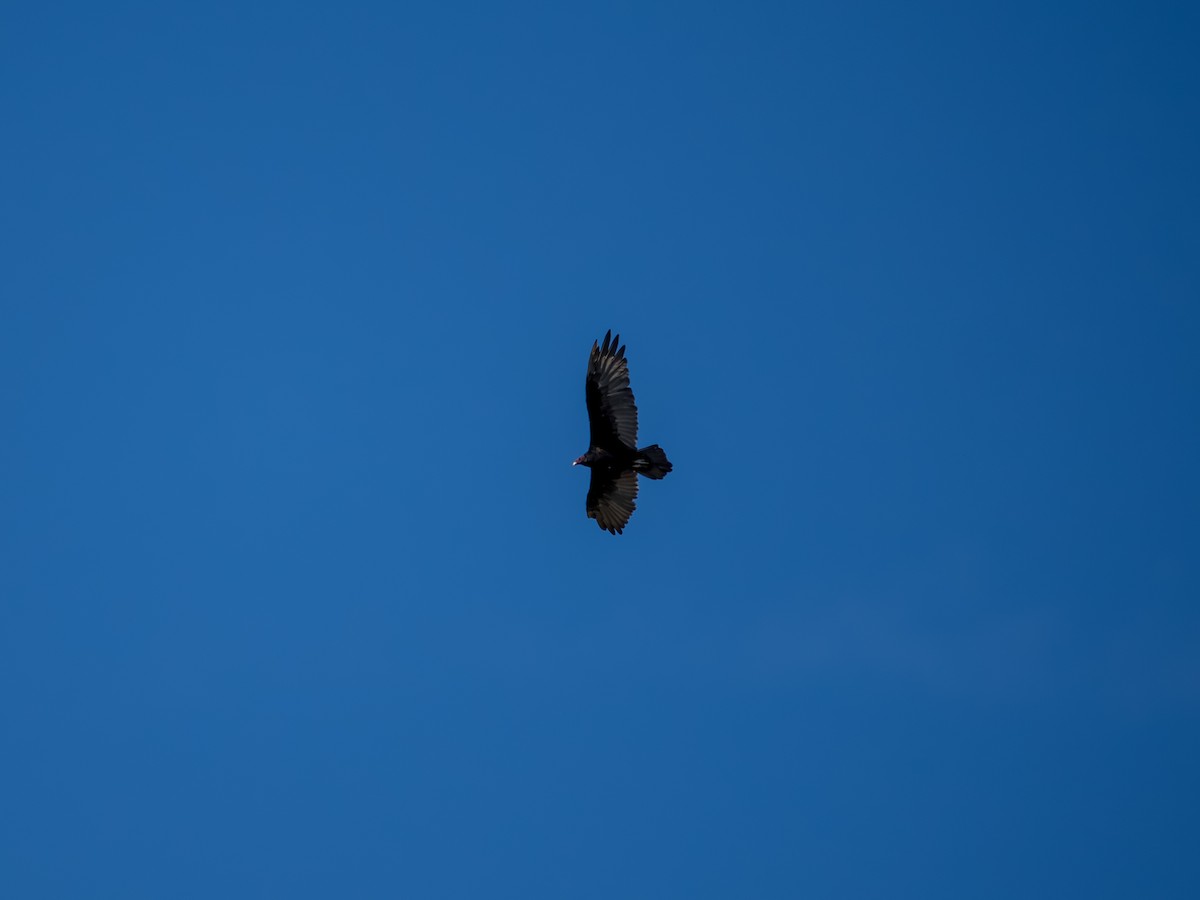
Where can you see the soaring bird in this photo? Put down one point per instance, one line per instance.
(613, 455)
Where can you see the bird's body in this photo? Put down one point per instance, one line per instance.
(613, 454)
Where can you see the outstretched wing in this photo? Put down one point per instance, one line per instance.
(611, 499)
(611, 410)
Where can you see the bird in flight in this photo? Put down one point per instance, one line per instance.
(613, 455)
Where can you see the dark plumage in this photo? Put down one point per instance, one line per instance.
(613, 455)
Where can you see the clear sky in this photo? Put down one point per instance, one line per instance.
(297, 593)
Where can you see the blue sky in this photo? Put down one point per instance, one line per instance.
(297, 594)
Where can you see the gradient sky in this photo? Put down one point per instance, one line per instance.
(297, 594)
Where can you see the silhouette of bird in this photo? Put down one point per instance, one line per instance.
(613, 455)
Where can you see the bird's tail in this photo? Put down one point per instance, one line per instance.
(652, 462)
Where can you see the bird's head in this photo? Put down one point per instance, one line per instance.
(585, 460)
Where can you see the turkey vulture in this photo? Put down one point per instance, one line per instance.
(613, 456)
